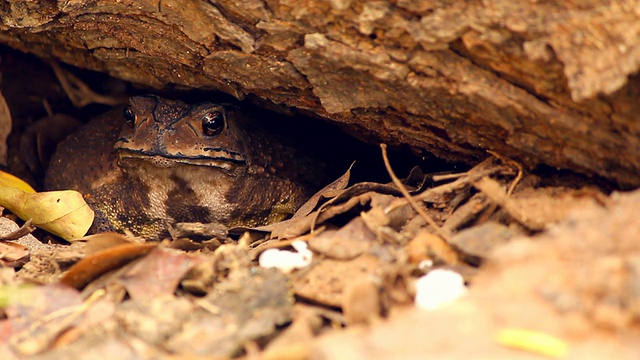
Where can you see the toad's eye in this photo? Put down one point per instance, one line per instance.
(212, 123)
(129, 116)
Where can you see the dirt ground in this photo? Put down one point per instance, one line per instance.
(526, 265)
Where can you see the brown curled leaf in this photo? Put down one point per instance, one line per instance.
(101, 262)
(338, 184)
(104, 241)
(165, 266)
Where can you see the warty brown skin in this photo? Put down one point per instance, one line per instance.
(165, 162)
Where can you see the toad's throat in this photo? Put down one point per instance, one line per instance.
(222, 161)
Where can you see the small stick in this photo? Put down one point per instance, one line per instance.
(47, 107)
(78, 92)
(512, 187)
(449, 176)
(515, 182)
(24, 230)
(441, 232)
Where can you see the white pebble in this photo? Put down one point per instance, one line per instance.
(425, 265)
(285, 260)
(438, 288)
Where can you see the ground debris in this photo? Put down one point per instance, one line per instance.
(247, 307)
(369, 248)
(583, 270)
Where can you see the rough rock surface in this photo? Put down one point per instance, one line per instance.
(542, 82)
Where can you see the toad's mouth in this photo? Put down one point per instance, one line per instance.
(226, 162)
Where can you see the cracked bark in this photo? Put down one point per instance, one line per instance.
(544, 83)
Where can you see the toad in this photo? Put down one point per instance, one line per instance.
(161, 162)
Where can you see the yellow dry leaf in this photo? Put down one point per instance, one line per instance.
(7, 179)
(13, 294)
(63, 213)
(533, 341)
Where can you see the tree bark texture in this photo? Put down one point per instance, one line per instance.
(542, 82)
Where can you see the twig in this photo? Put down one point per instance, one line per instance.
(504, 159)
(79, 93)
(24, 230)
(512, 187)
(47, 107)
(449, 176)
(441, 232)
